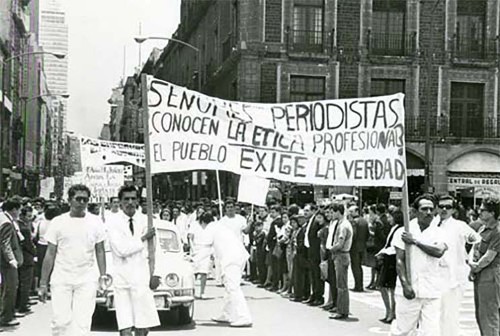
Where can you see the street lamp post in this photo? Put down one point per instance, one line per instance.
(25, 121)
(142, 39)
(3, 64)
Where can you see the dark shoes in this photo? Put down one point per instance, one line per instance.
(316, 303)
(386, 320)
(327, 306)
(11, 323)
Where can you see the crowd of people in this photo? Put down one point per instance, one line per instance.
(293, 251)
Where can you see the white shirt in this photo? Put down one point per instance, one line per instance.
(235, 224)
(267, 224)
(389, 250)
(228, 249)
(306, 237)
(454, 260)
(75, 239)
(426, 272)
(41, 226)
(183, 226)
(331, 229)
(130, 253)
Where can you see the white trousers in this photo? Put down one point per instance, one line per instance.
(450, 311)
(72, 307)
(421, 312)
(235, 307)
(135, 307)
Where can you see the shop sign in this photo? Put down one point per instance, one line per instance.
(473, 181)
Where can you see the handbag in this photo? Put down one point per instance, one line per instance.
(278, 251)
(323, 267)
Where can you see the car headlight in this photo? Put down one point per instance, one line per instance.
(172, 280)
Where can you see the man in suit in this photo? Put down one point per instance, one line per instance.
(312, 244)
(301, 285)
(11, 260)
(360, 237)
(26, 271)
(275, 213)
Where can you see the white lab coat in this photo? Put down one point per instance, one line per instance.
(231, 253)
(135, 305)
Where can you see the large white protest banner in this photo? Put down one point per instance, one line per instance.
(253, 190)
(97, 153)
(356, 142)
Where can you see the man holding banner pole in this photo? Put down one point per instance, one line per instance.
(418, 293)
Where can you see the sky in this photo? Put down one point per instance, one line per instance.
(98, 33)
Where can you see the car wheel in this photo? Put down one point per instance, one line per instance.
(186, 314)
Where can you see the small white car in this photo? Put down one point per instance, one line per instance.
(175, 295)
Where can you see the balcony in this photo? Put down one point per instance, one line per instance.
(473, 50)
(383, 44)
(454, 128)
(311, 41)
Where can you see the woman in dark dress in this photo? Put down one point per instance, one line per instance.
(388, 275)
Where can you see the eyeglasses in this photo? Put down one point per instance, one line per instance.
(82, 199)
(445, 206)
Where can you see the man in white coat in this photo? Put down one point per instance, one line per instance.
(232, 255)
(128, 235)
(454, 260)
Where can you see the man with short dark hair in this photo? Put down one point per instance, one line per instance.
(75, 242)
(312, 244)
(11, 260)
(458, 234)
(485, 267)
(361, 234)
(418, 294)
(26, 270)
(128, 234)
(341, 242)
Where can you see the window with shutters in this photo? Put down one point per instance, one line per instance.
(307, 29)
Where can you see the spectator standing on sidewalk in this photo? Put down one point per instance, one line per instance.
(361, 234)
(388, 274)
(341, 245)
(26, 270)
(485, 267)
(11, 260)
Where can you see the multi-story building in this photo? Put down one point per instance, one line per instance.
(116, 112)
(444, 55)
(21, 126)
(53, 35)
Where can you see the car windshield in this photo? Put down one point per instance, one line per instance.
(168, 240)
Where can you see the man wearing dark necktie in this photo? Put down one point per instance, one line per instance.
(128, 235)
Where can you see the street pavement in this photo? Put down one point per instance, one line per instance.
(272, 315)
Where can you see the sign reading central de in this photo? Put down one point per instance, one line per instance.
(330, 142)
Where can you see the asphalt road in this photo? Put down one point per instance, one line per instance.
(272, 315)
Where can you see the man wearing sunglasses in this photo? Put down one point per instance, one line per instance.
(418, 293)
(458, 233)
(485, 266)
(75, 241)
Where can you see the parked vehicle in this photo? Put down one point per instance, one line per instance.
(175, 296)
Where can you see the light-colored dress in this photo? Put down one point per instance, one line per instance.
(202, 248)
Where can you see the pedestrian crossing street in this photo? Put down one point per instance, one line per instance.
(468, 323)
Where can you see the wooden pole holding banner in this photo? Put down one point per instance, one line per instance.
(149, 180)
(102, 209)
(218, 192)
(405, 208)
